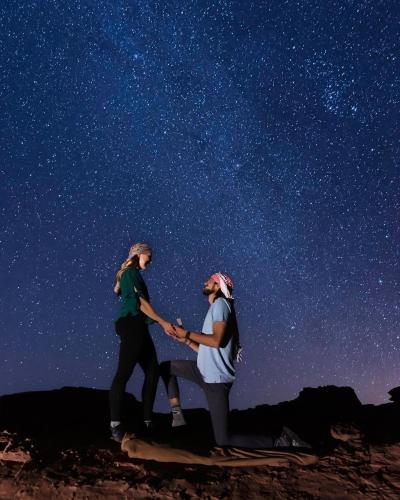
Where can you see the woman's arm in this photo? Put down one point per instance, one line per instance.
(149, 311)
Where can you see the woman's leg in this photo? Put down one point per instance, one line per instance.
(149, 364)
(131, 335)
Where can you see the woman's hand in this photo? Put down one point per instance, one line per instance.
(168, 328)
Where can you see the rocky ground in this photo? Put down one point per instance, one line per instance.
(47, 451)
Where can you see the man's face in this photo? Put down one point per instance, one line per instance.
(210, 286)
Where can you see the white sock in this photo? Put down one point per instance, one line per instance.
(176, 409)
(178, 418)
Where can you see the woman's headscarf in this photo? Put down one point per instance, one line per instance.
(136, 249)
(139, 248)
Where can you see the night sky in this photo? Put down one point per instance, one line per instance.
(257, 138)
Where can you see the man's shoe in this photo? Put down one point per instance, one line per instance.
(289, 439)
(117, 433)
(178, 420)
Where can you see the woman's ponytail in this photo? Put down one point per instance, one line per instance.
(130, 262)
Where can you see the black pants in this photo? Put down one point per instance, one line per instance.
(136, 347)
(218, 403)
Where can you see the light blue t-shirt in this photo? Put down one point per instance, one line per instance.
(216, 364)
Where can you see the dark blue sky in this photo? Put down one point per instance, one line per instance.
(259, 138)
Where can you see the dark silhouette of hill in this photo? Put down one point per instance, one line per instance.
(63, 435)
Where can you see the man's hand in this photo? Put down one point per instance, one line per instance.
(181, 340)
(180, 333)
(181, 336)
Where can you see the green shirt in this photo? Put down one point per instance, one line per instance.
(132, 287)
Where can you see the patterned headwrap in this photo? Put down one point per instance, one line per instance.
(225, 282)
(139, 248)
(136, 249)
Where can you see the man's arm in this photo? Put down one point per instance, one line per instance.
(213, 340)
(193, 345)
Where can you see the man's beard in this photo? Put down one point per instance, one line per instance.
(207, 291)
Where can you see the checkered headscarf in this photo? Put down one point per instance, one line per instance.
(225, 282)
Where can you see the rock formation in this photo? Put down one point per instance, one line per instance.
(55, 444)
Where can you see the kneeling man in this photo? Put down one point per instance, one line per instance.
(217, 346)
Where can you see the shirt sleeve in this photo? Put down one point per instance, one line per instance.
(220, 311)
(132, 284)
(138, 284)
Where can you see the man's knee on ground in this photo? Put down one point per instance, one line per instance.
(222, 442)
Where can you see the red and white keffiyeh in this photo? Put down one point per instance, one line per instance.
(225, 282)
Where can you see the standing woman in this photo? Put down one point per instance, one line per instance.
(136, 345)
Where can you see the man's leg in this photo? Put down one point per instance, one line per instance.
(170, 370)
(251, 441)
(218, 404)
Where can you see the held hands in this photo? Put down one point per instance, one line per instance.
(180, 333)
(176, 332)
(168, 328)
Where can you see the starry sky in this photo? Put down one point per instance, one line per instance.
(258, 138)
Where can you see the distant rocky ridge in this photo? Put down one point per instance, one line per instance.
(395, 394)
(55, 443)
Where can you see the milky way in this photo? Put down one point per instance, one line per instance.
(256, 138)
